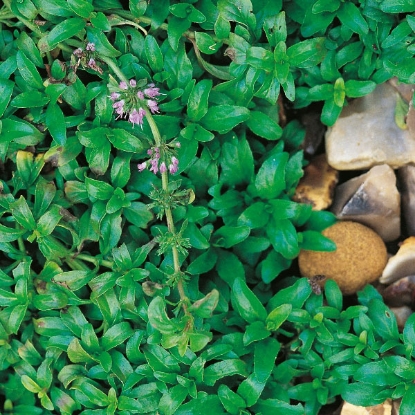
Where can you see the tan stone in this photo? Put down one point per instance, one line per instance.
(406, 177)
(366, 134)
(381, 409)
(373, 200)
(401, 314)
(358, 260)
(402, 264)
(400, 293)
(317, 185)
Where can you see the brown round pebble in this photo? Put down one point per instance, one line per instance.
(359, 259)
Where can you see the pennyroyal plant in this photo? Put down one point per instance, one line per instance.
(146, 223)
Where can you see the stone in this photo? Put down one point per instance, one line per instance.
(381, 409)
(401, 314)
(400, 293)
(406, 176)
(359, 258)
(402, 264)
(373, 200)
(366, 133)
(317, 185)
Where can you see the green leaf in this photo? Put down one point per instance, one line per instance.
(77, 354)
(230, 400)
(315, 241)
(197, 105)
(55, 122)
(265, 353)
(81, 7)
(351, 17)
(30, 384)
(270, 180)
(333, 294)
(408, 333)
(254, 216)
(203, 263)
(62, 31)
(177, 26)
(23, 214)
(283, 237)
(321, 6)
(278, 407)
(116, 335)
(196, 132)
(219, 370)
(397, 6)
(247, 303)
(331, 112)
(100, 21)
(260, 58)
(277, 316)
(400, 366)
(28, 71)
(10, 234)
(383, 320)
(237, 162)
(172, 400)
(223, 118)
(377, 373)
(255, 332)
(32, 99)
(49, 220)
(272, 266)
(264, 126)
(408, 401)
(158, 318)
(102, 44)
(228, 236)
(206, 43)
(6, 90)
(93, 394)
(123, 140)
(153, 54)
(74, 280)
(307, 53)
(356, 89)
(98, 189)
(296, 295)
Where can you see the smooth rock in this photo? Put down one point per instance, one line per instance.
(401, 314)
(406, 176)
(317, 185)
(402, 264)
(366, 133)
(358, 260)
(381, 409)
(400, 293)
(373, 200)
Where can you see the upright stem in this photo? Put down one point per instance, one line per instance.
(169, 216)
(115, 69)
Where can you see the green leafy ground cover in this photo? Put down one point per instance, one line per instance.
(146, 223)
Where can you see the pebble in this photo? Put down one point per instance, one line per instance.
(317, 185)
(366, 133)
(373, 200)
(359, 259)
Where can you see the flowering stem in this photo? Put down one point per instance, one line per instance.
(114, 68)
(169, 217)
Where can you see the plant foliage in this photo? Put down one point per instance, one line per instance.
(146, 212)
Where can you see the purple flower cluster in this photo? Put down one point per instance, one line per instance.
(158, 163)
(86, 57)
(131, 103)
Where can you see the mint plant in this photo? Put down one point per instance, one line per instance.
(146, 223)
